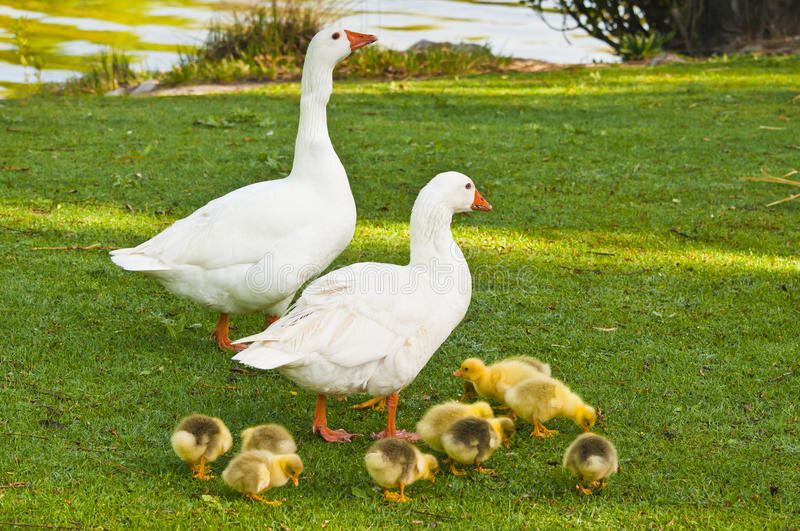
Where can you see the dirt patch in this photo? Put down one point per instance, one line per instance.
(198, 90)
(517, 65)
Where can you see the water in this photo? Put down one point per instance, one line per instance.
(64, 34)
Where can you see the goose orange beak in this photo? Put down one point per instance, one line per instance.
(295, 480)
(359, 40)
(457, 373)
(480, 203)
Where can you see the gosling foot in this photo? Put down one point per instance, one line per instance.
(540, 431)
(487, 471)
(378, 404)
(455, 471)
(395, 497)
(256, 497)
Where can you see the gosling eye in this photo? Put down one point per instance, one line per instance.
(335, 36)
(468, 186)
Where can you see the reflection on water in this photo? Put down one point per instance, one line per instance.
(61, 34)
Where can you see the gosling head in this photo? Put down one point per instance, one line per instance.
(471, 369)
(291, 466)
(506, 428)
(585, 417)
(431, 468)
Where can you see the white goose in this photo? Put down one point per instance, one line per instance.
(251, 249)
(371, 327)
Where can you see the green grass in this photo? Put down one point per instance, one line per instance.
(586, 169)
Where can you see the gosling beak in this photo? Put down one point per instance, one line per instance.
(586, 429)
(432, 479)
(295, 480)
(480, 203)
(359, 40)
(457, 373)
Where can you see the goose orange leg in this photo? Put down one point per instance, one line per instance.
(270, 318)
(391, 429)
(321, 424)
(220, 335)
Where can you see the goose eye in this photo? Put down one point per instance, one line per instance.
(335, 36)
(468, 186)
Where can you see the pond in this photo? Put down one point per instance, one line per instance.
(62, 35)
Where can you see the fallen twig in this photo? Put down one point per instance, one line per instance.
(579, 270)
(123, 467)
(602, 254)
(93, 247)
(603, 272)
(14, 168)
(84, 449)
(426, 513)
(16, 485)
(767, 178)
(232, 387)
(37, 390)
(780, 377)
(779, 201)
(45, 526)
(645, 270)
(683, 234)
(27, 435)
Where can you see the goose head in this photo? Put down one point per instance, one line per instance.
(333, 44)
(457, 191)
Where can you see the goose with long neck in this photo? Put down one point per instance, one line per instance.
(371, 327)
(251, 249)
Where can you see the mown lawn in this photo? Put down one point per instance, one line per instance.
(623, 249)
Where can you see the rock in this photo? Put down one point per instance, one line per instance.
(665, 59)
(119, 91)
(145, 87)
(425, 44)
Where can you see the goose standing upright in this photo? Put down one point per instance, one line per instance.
(371, 327)
(251, 249)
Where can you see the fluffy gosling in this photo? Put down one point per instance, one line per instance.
(270, 437)
(437, 419)
(592, 458)
(542, 398)
(494, 380)
(472, 440)
(198, 440)
(394, 463)
(254, 471)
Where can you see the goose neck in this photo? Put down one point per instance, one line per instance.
(315, 91)
(431, 238)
